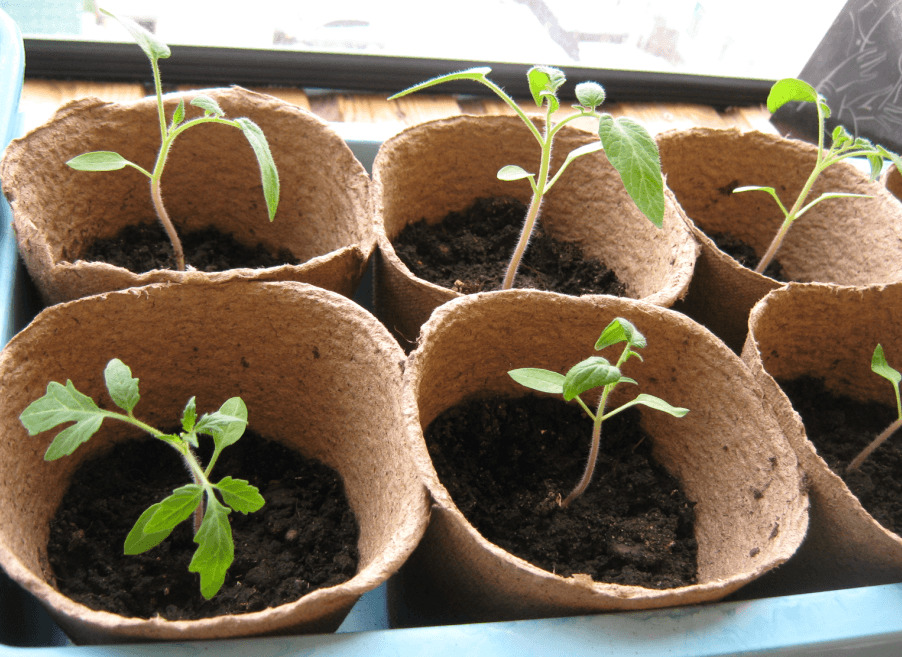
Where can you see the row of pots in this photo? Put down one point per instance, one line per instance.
(730, 453)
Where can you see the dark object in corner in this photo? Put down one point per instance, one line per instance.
(858, 68)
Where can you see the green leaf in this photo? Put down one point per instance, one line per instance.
(98, 161)
(539, 379)
(876, 163)
(150, 44)
(590, 94)
(268, 172)
(123, 388)
(69, 439)
(593, 372)
(63, 404)
(174, 509)
(240, 495)
(841, 137)
(512, 172)
(585, 149)
(620, 330)
(479, 74)
(544, 82)
(215, 548)
(634, 154)
(892, 157)
(653, 402)
(225, 425)
(881, 367)
(208, 105)
(788, 90)
(767, 190)
(189, 415)
(179, 114)
(138, 540)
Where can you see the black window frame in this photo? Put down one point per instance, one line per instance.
(212, 66)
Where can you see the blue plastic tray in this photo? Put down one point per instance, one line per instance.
(862, 622)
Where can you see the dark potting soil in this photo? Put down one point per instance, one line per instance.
(745, 255)
(507, 462)
(304, 537)
(144, 247)
(468, 251)
(840, 428)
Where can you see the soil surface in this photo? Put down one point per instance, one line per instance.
(507, 462)
(745, 255)
(144, 247)
(840, 428)
(304, 537)
(469, 251)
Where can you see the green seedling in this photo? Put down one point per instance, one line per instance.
(881, 367)
(628, 146)
(592, 373)
(843, 146)
(213, 113)
(212, 532)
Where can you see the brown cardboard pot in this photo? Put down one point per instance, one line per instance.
(893, 181)
(211, 178)
(442, 166)
(829, 331)
(843, 241)
(317, 373)
(725, 452)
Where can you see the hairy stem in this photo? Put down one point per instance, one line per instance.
(194, 468)
(819, 166)
(879, 440)
(173, 236)
(584, 481)
(533, 212)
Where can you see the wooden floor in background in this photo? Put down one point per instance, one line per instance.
(41, 98)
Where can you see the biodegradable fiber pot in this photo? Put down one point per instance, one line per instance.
(317, 373)
(829, 331)
(893, 181)
(728, 453)
(443, 166)
(211, 179)
(842, 241)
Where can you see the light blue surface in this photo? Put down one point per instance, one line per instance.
(860, 622)
(12, 65)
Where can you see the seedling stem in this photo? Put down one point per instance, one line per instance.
(589, 374)
(843, 147)
(881, 367)
(111, 161)
(628, 146)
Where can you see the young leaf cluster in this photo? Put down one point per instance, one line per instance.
(627, 145)
(843, 146)
(591, 373)
(213, 534)
(881, 367)
(212, 113)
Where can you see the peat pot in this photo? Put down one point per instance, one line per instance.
(830, 332)
(318, 374)
(211, 179)
(728, 454)
(843, 241)
(443, 166)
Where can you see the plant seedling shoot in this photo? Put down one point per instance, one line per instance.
(881, 367)
(843, 147)
(591, 373)
(213, 113)
(212, 532)
(628, 146)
